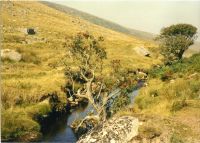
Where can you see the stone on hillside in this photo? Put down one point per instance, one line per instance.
(31, 31)
(142, 51)
(115, 130)
(11, 55)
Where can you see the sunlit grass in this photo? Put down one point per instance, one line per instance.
(41, 70)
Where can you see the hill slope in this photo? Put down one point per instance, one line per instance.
(100, 21)
(40, 73)
(113, 26)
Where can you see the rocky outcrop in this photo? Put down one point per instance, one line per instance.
(115, 130)
(11, 55)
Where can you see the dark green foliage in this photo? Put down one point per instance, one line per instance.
(179, 29)
(185, 66)
(175, 40)
(57, 105)
(167, 75)
(86, 49)
(120, 102)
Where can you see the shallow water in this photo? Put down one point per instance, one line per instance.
(59, 130)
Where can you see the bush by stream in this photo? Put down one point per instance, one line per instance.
(179, 69)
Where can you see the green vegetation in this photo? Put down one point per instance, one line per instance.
(18, 122)
(181, 68)
(175, 40)
(120, 103)
(174, 89)
(87, 56)
(173, 92)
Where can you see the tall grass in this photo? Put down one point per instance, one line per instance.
(172, 95)
(18, 122)
(40, 72)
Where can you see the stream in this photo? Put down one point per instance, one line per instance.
(58, 129)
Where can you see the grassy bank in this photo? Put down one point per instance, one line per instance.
(169, 106)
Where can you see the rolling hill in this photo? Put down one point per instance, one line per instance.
(101, 22)
(27, 84)
(113, 26)
(40, 73)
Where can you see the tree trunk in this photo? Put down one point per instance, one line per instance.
(180, 54)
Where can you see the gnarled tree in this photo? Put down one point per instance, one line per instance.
(87, 57)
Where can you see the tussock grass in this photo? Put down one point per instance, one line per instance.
(41, 66)
(180, 90)
(169, 96)
(18, 122)
(41, 70)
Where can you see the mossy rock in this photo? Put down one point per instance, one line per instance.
(84, 128)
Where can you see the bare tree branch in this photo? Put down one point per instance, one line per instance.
(82, 74)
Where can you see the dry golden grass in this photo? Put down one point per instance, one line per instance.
(41, 70)
(174, 108)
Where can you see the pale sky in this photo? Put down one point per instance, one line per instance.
(149, 16)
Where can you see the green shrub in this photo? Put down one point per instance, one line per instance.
(180, 68)
(167, 75)
(119, 102)
(58, 103)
